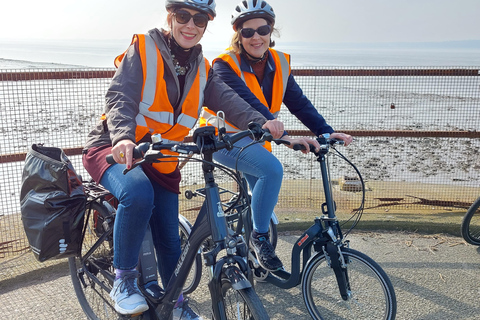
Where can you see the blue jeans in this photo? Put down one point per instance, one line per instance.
(264, 174)
(142, 201)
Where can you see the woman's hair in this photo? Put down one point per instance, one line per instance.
(236, 42)
(168, 21)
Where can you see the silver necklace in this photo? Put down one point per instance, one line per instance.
(180, 70)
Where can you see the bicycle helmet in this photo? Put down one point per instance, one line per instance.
(205, 6)
(250, 9)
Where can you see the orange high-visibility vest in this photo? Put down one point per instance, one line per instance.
(282, 72)
(156, 113)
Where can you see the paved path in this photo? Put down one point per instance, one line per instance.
(435, 277)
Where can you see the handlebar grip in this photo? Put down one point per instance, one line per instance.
(298, 147)
(302, 147)
(138, 152)
(110, 159)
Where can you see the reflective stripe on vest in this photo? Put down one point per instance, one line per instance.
(280, 80)
(156, 113)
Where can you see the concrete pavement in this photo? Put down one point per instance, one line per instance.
(435, 277)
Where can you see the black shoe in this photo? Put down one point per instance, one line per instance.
(265, 253)
(153, 291)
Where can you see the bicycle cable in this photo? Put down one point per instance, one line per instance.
(359, 211)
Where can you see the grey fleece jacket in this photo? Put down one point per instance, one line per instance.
(124, 95)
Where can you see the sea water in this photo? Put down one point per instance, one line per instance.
(16, 54)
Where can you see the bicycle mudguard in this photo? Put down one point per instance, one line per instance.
(237, 278)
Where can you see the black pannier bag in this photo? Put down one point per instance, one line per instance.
(52, 202)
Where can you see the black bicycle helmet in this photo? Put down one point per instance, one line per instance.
(250, 9)
(205, 6)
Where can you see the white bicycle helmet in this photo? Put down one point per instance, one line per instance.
(205, 6)
(250, 9)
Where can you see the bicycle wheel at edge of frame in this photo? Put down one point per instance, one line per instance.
(471, 233)
(195, 274)
(94, 300)
(322, 296)
(242, 303)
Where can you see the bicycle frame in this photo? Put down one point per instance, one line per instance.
(209, 223)
(325, 234)
(324, 251)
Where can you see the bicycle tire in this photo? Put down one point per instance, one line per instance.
(195, 274)
(93, 298)
(471, 224)
(242, 304)
(371, 292)
(272, 233)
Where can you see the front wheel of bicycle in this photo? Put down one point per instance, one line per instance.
(93, 273)
(242, 304)
(370, 296)
(195, 274)
(471, 224)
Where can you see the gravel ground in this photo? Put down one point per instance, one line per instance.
(435, 277)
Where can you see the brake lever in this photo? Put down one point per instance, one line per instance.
(266, 136)
(150, 156)
(134, 165)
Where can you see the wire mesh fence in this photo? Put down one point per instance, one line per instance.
(416, 144)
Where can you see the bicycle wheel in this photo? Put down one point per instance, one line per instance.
(371, 294)
(195, 275)
(242, 304)
(93, 278)
(272, 233)
(471, 224)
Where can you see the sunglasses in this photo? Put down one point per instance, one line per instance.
(183, 17)
(249, 32)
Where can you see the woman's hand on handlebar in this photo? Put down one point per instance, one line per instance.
(123, 152)
(275, 127)
(305, 141)
(346, 138)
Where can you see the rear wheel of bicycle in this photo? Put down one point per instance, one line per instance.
(93, 278)
(242, 304)
(371, 294)
(195, 275)
(471, 224)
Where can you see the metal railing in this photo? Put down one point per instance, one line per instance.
(416, 129)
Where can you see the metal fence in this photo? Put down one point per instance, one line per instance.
(416, 132)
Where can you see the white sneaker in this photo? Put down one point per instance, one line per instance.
(184, 312)
(128, 298)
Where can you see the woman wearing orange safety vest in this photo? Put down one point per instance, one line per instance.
(161, 84)
(261, 76)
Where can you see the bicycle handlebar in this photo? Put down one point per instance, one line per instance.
(204, 141)
(324, 145)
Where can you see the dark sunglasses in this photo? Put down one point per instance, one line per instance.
(183, 17)
(249, 32)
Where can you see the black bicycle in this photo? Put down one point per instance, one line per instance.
(337, 282)
(230, 284)
(471, 224)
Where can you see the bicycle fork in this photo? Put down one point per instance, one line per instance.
(336, 260)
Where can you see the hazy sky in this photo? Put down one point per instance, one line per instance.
(326, 21)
